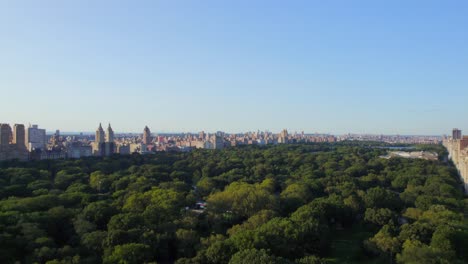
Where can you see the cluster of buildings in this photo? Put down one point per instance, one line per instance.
(393, 139)
(220, 140)
(33, 143)
(457, 147)
(19, 142)
(13, 143)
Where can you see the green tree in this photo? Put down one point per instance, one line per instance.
(132, 253)
(187, 241)
(99, 213)
(385, 241)
(380, 216)
(294, 196)
(255, 256)
(242, 199)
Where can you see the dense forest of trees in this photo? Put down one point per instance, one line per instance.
(318, 203)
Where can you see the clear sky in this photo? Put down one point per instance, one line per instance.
(319, 66)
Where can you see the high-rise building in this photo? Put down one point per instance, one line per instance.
(109, 145)
(147, 139)
(456, 133)
(12, 145)
(110, 134)
(19, 136)
(218, 141)
(457, 148)
(5, 134)
(463, 142)
(100, 135)
(283, 137)
(104, 143)
(35, 138)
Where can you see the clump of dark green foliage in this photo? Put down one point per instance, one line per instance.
(317, 203)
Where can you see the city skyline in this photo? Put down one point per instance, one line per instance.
(107, 135)
(326, 67)
(89, 131)
(32, 143)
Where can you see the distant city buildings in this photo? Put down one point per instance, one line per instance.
(221, 140)
(33, 142)
(392, 139)
(76, 150)
(123, 149)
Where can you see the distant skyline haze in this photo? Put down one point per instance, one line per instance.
(378, 67)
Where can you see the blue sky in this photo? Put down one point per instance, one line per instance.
(178, 66)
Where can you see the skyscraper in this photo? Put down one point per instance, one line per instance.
(19, 136)
(456, 133)
(12, 145)
(5, 134)
(218, 141)
(147, 139)
(110, 134)
(35, 138)
(283, 137)
(100, 135)
(104, 143)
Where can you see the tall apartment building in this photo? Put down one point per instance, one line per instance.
(104, 142)
(35, 138)
(456, 134)
(19, 135)
(457, 147)
(12, 144)
(5, 134)
(218, 141)
(283, 137)
(463, 142)
(147, 139)
(110, 134)
(100, 135)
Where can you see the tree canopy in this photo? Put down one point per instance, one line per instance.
(297, 203)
